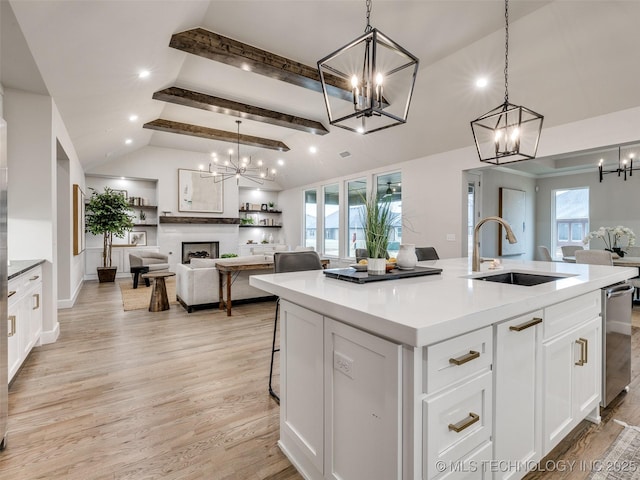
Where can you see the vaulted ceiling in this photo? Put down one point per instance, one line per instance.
(568, 60)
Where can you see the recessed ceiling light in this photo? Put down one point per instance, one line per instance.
(200, 167)
(133, 118)
(313, 149)
(128, 141)
(280, 161)
(360, 130)
(214, 154)
(481, 82)
(144, 73)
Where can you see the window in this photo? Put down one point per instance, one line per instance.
(389, 188)
(310, 218)
(571, 218)
(331, 245)
(356, 192)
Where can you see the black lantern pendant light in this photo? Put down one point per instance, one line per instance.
(508, 133)
(368, 83)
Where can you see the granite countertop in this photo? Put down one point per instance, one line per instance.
(17, 267)
(423, 310)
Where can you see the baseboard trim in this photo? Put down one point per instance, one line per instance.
(70, 302)
(50, 336)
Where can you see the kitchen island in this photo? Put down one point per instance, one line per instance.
(443, 376)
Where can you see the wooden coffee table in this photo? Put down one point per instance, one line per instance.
(159, 300)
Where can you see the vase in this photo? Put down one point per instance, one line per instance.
(376, 266)
(619, 251)
(406, 258)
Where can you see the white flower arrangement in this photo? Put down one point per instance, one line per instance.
(612, 236)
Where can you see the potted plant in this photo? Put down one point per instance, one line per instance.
(108, 214)
(272, 206)
(377, 222)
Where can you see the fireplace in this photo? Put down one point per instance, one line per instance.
(199, 250)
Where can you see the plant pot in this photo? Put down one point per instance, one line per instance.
(619, 251)
(107, 274)
(376, 266)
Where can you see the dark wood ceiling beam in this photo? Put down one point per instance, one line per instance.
(189, 98)
(170, 126)
(210, 45)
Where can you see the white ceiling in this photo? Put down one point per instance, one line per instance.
(569, 60)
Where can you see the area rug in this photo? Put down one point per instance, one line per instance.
(622, 459)
(137, 299)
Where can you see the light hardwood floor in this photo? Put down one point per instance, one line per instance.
(140, 395)
(170, 395)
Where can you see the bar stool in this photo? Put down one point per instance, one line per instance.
(289, 262)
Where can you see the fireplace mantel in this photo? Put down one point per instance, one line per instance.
(193, 220)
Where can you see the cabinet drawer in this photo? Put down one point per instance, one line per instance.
(457, 358)
(23, 282)
(468, 407)
(476, 466)
(563, 316)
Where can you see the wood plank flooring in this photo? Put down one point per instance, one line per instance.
(170, 395)
(141, 395)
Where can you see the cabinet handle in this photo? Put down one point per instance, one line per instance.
(12, 319)
(524, 326)
(584, 351)
(35, 277)
(37, 295)
(467, 422)
(11, 293)
(467, 357)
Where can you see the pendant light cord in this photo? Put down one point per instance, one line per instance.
(368, 28)
(506, 51)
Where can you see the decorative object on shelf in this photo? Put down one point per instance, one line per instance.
(166, 213)
(239, 168)
(377, 222)
(613, 238)
(198, 192)
(270, 238)
(407, 258)
(508, 133)
(272, 206)
(379, 95)
(121, 192)
(246, 221)
(108, 214)
(139, 239)
(228, 255)
(142, 216)
(624, 165)
(263, 207)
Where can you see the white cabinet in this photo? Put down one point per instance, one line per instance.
(24, 317)
(572, 363)
(518, 363)
(340, 401)
(363, 414)
(457, 415)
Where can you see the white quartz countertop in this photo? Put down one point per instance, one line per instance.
(423, 310)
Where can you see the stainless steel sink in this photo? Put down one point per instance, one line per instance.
(519, 278)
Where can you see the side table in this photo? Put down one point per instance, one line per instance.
(137, 271)
(159, 300)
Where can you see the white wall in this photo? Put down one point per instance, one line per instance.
(431, 186)
(612, 202)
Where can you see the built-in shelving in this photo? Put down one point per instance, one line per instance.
(260, 226)
(211, 220)
(260, 211)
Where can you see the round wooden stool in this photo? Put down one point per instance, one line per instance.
(159, 300)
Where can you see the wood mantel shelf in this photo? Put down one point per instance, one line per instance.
(192, 220)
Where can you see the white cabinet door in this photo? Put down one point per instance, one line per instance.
(14, 343)
(301, 387)
(571, 380)
(363, 405)
(517, 436)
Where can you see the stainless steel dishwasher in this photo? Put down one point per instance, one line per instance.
(616, 340)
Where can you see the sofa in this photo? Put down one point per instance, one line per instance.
(197, 282)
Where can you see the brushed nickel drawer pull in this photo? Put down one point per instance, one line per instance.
(524, 326)
(467, 422)
(584, 346)
(467, 357)
(37, 295)
(12, 319)
(11, 293)
(35, 277)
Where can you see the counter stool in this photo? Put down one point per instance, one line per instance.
(289, 262)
